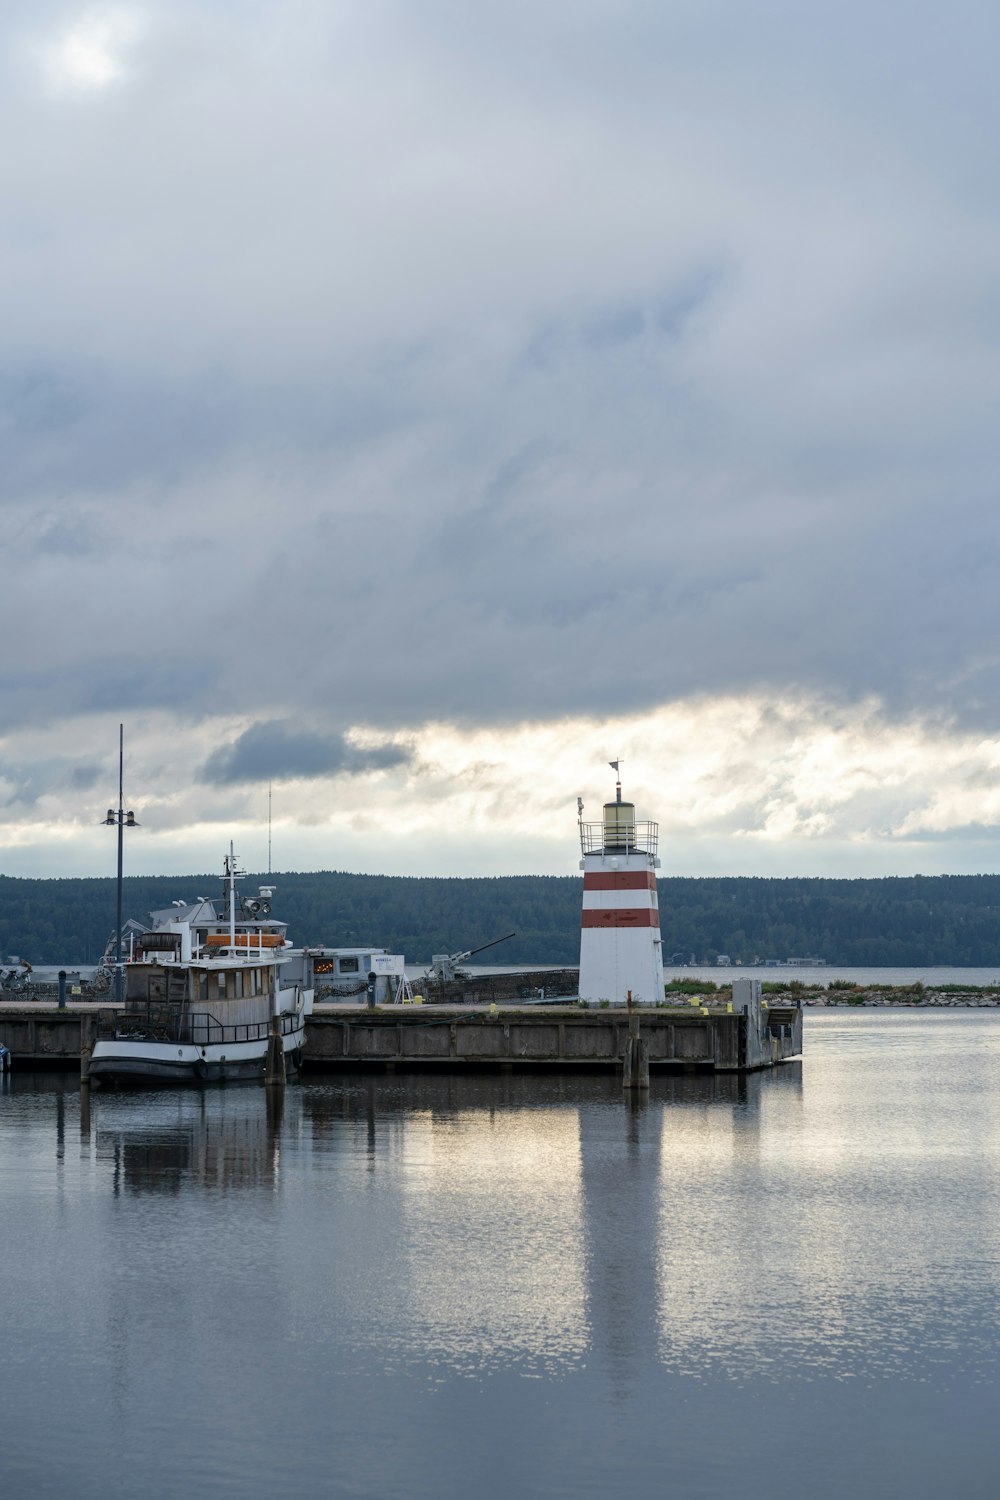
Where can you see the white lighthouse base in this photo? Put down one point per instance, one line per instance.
(614, 960)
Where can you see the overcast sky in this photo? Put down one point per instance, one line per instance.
(419, 405)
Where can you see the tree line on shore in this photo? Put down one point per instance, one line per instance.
(910, 920)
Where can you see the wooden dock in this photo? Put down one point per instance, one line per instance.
(342, 1038)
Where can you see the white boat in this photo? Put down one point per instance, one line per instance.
(203, 993)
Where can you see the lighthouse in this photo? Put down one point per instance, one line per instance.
(620, 947)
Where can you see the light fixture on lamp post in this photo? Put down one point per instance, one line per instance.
(121, 820)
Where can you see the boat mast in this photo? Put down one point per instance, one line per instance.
(231, 872)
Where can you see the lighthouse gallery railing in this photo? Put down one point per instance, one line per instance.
(631, 838)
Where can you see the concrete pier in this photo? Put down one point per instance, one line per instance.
(342, 1038)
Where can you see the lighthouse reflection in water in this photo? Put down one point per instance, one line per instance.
(422, 1286)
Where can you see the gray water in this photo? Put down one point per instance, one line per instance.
(485, 1286)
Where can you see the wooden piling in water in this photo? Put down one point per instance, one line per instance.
(274, 1068)
(635, 1064)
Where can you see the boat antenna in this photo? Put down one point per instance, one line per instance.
(232, 875)
(269, 827)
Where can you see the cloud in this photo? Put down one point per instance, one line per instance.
(274, 751)
(54, 779)
(524, 365)
(89, 54)
(739, 785)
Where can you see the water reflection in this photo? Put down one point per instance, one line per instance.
(177, 1140)
(469, 1206)
(405, 1286)
(821, 1235)
(469, 1223)
(509, 1220)
(817, 1218)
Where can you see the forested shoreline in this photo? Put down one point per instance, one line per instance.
(911, 920)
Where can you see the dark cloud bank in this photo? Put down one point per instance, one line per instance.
(511, 365)
(274, 750)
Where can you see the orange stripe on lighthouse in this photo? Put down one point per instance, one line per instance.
(619, 880)
(629, 916)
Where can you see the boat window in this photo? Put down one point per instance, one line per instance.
(348, 965)
(202, 986)
(222, 986)
(238, 977)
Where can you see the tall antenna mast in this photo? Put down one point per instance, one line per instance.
(120, 816)
(120, 819)
(269, 828)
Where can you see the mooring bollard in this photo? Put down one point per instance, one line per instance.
(62, 989)
(371, 991)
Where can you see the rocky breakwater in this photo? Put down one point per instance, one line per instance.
(842, 993)
(896, 997)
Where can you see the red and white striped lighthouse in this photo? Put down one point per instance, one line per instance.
(620, 948)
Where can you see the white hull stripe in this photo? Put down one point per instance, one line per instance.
(181, 1053)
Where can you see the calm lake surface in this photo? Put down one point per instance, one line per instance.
(416, 1287)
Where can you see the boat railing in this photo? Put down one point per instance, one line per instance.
(158, 1022)
(153, 1021)
(207, 1030)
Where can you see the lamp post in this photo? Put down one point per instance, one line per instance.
(122, 820)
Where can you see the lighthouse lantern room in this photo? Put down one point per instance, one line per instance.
(620, 949)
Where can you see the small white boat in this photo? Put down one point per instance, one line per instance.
(200, 989)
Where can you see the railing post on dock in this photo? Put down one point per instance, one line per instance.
(635, 1071)
(62, 989)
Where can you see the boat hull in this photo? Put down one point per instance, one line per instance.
(120, 1062)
